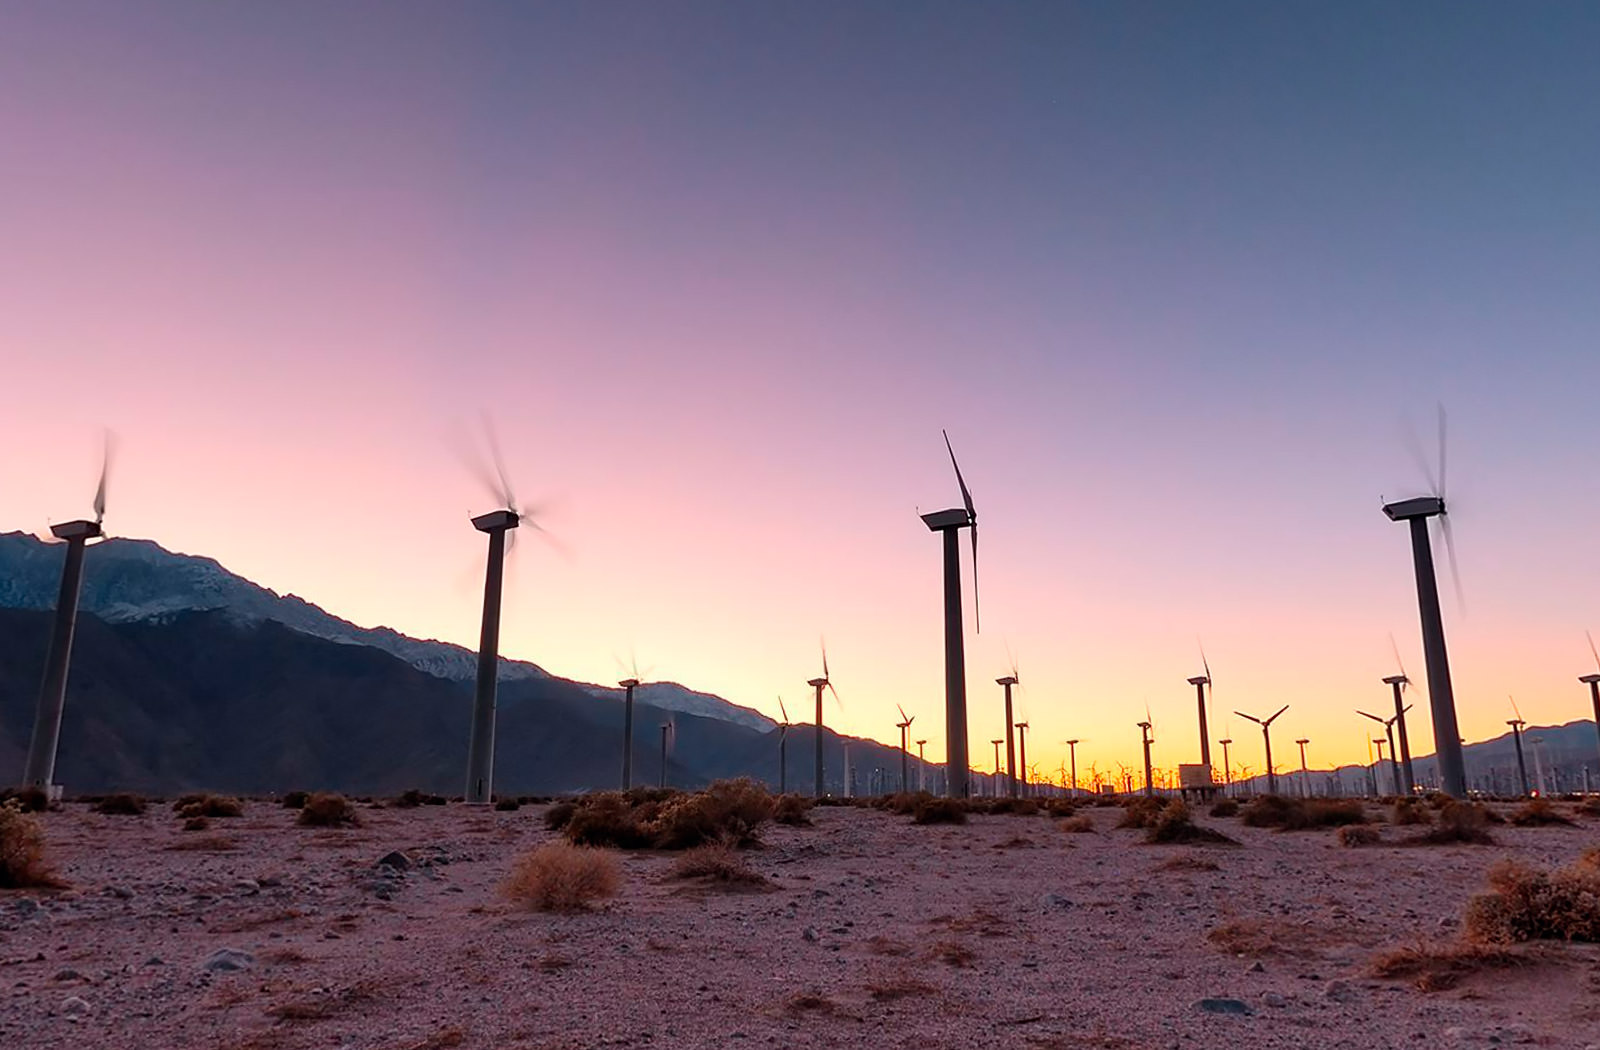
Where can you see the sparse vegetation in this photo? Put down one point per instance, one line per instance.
(296, 799)
(562, 877)
(1436, 967)
(1188, 862)
(1141, 812)
(196, 824)
(1297, 814)
(953, 953)
(1082, 824)
(558, 815)
(717, 863)
(1528, 904)
(507, 805)
(792, 810)
(121, 805)
(1172, 825)
(939, 811)
(1589, 807)
(1460, 823)
(412, 798)
(1353, 835)
(1540, 813)
(189, 806)
(28, 799)
(1409, 811)
(729, 812)
(22, 858)
(327, 810)
(1224, 807)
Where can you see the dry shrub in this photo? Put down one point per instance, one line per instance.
(606, 819)
(1460, 823)
(1589, 807)
(121, 805)
(1079, 825)
(1172, 825)
(879, 944)
(792, 810)
(22, 860)
(1141, 812)
(1188, 862)
(953, 953)
(729, 811)
(1019, 807)
(443, 1039)
(1436, 967)
(327, 810)
(1260, 937)
(1528, 904)
(1224, 807)
(29, 799)
(1539, 813)
(717, 863)
(296, 799)
(206, 843)
(190, 806)
(940, 811)
(808, 1002)
(903, 803)
(890, 989)
(1059, 807)
(1408, 811)
(412, 798)
(507, 805)
(196, 824)
(1303, 814)
(561, 877)
(322, 1004)
(558, 815)
(1353, 835)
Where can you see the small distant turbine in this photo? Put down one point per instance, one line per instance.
(1266, 738)
(1011, 748)
(1388, 725)
(922, 767)
(1201, 683)
(1305, 774)
(1417, 513)
(1022, 754)
(628, 685)
(950, 523)
(1227, 770)
(1145, 729)
(783, 750)
(40, 769)
(819, 684)
(997, 744)
(668, 730)
(1516, 725)
(905, 754)
(1593, 682)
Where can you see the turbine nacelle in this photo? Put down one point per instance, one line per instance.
(1200, 680)
(1009, 679)
(1420, 507)
(1590, 679)
(943, 520)
(1397, 679)
(817, 683)
(76, 530)
(497, 521)
(629, 683)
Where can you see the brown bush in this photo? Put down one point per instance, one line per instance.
(196, 824)
(507, 805)
(207, 806)
(606, 819)
(1059, 807)
(1353, 835)
(1225, 807)
(296, 799)
(1539, 813)
(121, 805)
(1172, 825)
(1020, 807)
(729, 811)
(22, 859)
(1141, 812)
(557, 816)
(1527, 904)
(1409, 811)
(1460, 823)
(903, 803)
(1589, 807)
(792, 810)
(1079, 825)
(327, 810)
(561, 877)
(1188, 862)
(1436, 967)
(716, 863)
(1303, 814)
(940, 811)
(29, 799)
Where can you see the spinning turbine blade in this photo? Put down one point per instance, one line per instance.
(1449, 537)
(977, 611)
(1514, 707)
(784, 710)
(1252, 718)
(1280, 711)
(1595, 653)
(1440, 491)
(1397, 661)
(966, 497)
(1364, 714)
(902, 711)
(105, 473)
(506, 494)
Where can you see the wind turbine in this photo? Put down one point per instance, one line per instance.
(1593, 682)
(783, 750)
(922, 768)
(1266, 737)
(951, 522)
(480, 748)
(1398, 683)
(905, 753)
(819, 684)
(628, 685)
(40, 770)
(1516, 725)
(1072, 748)
(1388, 725)
(669, 729)
(1416, 512)
(1022, 754)
(1305, 774)
(1201, 683)
(997, 744)
(1227, 770)
(1011, 747)
(1145, 730)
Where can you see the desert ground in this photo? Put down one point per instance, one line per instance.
(872, 932)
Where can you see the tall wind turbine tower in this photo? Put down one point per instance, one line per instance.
(1144, 735)
(1416, 513)
(904, 725)
(1305, 774)
(819, 684)
(1201, 683)
(40, 769)
(628, 686)
(783, 750)
(1593, 682)
(1516, 725)
(950, 523)
(1011, 746)
(1022, 754)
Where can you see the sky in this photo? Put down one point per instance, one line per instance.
(1178, 279)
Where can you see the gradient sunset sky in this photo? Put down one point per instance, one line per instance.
(1176, 277)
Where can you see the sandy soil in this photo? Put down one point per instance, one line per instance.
(876, 932)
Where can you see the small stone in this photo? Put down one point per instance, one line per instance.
(1339, 991)
(1275, 1000)
(1236, 1007)
(395, 860)
(1054, 902)
(1256, 967)
(67, 975)
(75, 1006)
(122, 893)
(228, 960)
(809, 934)
(155, 960)
(26, 907)
(247, 886)
(269, 882)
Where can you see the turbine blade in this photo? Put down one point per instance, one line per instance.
(1252, 718)
(966, 496)
(506, 492)
(902, 711)
(1414, 446)
(835, 693)
(1280, 711)
(825, 659)
(1442, 447)
(977, 611)
(784, 710)
(1592, 650)
(105, 474)
(1514, 707)
(1398, 662)
(1449, 537)
(1364, 714)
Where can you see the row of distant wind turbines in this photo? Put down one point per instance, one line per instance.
(499, 524)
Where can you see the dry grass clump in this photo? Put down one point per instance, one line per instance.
(1353, 835)
(29, 799)
(1528, 904)
(793, 810)
(1408, 811)
(507, 805)
(1589, 807)
(1019, 807)
(327, 810)
(953, 953)
(1141, 812)
(1082, 824)
(607, 819)
(296, 799)
(22, 859)
(729, 811)
(120, 805)
(903, 803)
(205, 843)
(1225, 807)
(189, 806)
(1172, 825)
(1437, 967)
(412, 798)
(1460, 823)
(891, 989)
(1188, 862)
(1303, 814)
(717, 863)
(561, 877)
(1540, 813)
(1059, 807)
(939, 811)
(558, 815)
